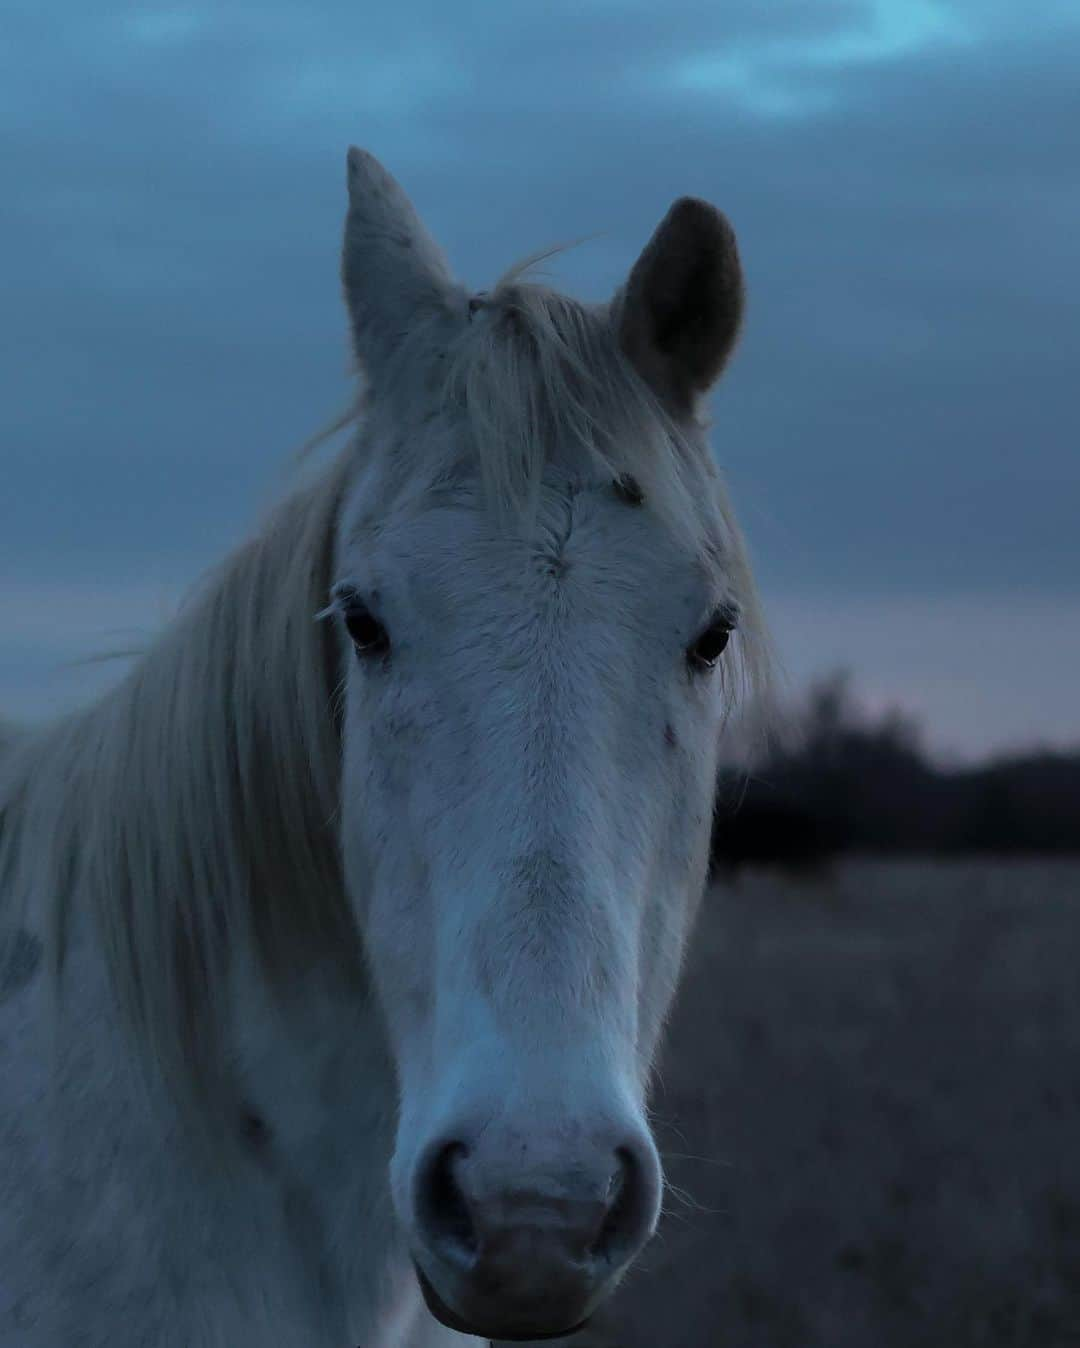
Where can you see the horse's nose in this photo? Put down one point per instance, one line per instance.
(529, 1255)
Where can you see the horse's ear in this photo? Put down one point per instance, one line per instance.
(394, 274)
(678, 314)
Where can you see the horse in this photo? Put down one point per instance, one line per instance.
(339, 933)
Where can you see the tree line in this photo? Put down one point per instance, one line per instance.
(847, 781)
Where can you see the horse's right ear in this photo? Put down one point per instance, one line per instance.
(678, 315)
(394, 274)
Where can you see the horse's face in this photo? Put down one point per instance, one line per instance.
(528, 777)
(531, 720)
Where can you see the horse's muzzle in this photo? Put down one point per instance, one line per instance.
(532, 1254)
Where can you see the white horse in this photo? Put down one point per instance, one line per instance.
(338, 936)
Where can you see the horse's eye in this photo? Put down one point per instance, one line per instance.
(365, 631)
(706, 649)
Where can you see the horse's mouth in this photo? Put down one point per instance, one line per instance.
(442, 1312)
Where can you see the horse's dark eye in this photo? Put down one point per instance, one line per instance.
(365, 631)
(703, 653)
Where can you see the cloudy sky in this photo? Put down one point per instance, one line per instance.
(899, 426)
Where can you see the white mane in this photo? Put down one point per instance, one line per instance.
(194, 805)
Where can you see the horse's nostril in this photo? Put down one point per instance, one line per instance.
(443, 1209)
(621, 1230)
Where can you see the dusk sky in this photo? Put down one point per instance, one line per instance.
(899, 426)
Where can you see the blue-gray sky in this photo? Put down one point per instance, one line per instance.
(899, 425)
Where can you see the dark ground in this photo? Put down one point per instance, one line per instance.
(871, 1102)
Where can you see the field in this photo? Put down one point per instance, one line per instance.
(870, 1102)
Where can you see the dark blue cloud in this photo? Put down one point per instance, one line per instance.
(899, 421)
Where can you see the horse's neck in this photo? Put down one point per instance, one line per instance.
(297, 1223)
(302, 1218)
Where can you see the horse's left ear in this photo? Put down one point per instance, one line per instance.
(395, 275)
(678, 315)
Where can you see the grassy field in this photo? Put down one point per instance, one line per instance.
(870, 1101)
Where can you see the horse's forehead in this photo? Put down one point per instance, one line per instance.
(449, 533)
